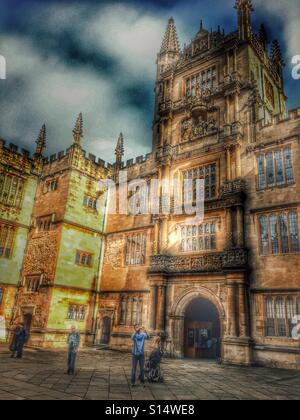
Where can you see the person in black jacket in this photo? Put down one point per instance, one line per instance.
(20, 338)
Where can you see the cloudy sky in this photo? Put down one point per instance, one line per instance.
(98, 57)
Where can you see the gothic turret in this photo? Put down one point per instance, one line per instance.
(170, 49)
(78, 130)
(170, 43)
(244, 9)
(263, 37)
(119, 152)
(41, 142)
(276, 57)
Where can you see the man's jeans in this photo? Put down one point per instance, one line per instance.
(71, 361)
(135, 361)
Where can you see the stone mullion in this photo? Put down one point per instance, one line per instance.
(275, 318)
(153, 307)
(160, 321)
(128, 312)
(289, 231)
(244, 329)
(287, 327)
(228, 158)
(231, 308)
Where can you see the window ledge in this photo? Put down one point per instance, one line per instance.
(275, 187)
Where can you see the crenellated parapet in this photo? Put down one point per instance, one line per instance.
(13, 159)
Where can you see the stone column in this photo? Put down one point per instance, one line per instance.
(228, 63)
(227, 110)
(244, 328)
(236, 107)
(156, 238)
(228, 159)
(129, 312)
(164, 234)
(229, 228)
(238, 161)
(166, 200)
(153, 307)
(240, 227)
(231, 310)
(161, 308)
(235, 60)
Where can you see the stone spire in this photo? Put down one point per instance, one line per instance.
(119, 152)
(41, 142)
(263, 36)
(276, 54)
(170, 43)
(78, 130)
(120, 148)
(244, 9)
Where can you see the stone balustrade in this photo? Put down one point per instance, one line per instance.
(235, 258)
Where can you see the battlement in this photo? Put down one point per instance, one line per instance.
(57, 157)
(11, 147)
(137, 161)
(293, 115)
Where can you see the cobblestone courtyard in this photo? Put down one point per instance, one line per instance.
(105, 375)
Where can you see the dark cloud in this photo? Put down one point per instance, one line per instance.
(98, 57)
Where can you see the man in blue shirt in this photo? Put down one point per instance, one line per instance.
(138, 353)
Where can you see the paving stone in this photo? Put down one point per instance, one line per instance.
(105, 375)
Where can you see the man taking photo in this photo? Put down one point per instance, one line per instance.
(138, 353)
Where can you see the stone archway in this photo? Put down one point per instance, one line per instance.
(178, 312)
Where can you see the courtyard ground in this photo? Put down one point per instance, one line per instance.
(105, 375)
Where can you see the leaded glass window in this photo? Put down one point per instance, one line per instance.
(279, 233)
(275, 168)
(199, 238)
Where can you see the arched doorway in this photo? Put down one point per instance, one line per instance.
(202, 330)
(105, 330)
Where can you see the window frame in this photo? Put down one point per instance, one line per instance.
(33, 282)
(131, 258)
(87, 256)
(199, 167)
(270, 301)
(200, 237)
(2, 294)
(274, 152)
(197, 79)
(76, 310)
(7, 187)
(10, 238)
(87, 199)
(277, 215)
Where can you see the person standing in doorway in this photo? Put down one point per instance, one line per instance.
(20, 338)
(73, 343)
(138, 353)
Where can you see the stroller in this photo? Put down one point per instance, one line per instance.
(152, 367)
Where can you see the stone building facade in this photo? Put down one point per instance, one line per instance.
(226, 286)
(229, 286)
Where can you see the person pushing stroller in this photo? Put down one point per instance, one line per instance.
(153, 372)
